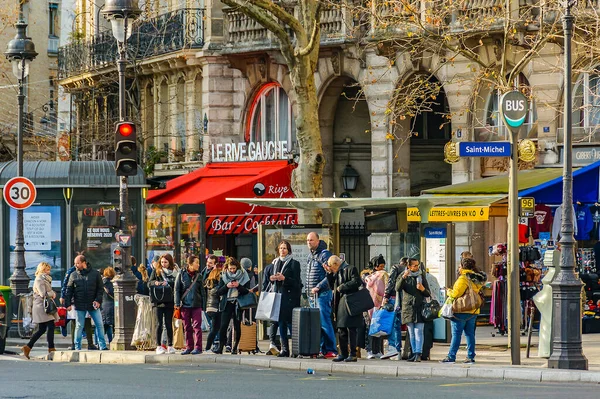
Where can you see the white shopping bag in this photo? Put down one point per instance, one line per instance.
(268, 307)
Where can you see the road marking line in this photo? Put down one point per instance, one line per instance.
(468, 383)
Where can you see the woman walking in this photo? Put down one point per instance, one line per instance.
(108, 303)
(413, 285)
(234, 283)
(286, 280)
(212, 299)
(189, 297)
(469, 278)
(42, 289)
(162, 284)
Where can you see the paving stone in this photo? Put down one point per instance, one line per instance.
(523, 374)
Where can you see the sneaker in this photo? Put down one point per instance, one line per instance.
(397, 357)
(329, 355)
(391, 352)
(160, 350)
(469, 361)
(196, 352)
(186, 352)
(370, 355)
(227, 348)
(170, 350)
(448, 360)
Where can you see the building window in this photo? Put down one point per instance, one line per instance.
(53, 22)
(270, 117)
(586, 100)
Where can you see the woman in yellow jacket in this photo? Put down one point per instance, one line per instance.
(469, 275)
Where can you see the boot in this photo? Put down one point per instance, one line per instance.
(50, 350)
(358, 353)
(26, 349)
(416, 358)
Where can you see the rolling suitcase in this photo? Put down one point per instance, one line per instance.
(247, 336)
(306, 332)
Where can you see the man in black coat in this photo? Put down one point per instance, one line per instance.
(85, 290)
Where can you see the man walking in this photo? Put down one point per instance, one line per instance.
(85, 290)
(395, 338)
(88, 322)
(316, 284)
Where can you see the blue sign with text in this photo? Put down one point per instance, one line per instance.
(435, 232)
(484, 149)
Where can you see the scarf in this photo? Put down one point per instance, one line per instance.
(415, 274)
(284, 261)
(240, 276)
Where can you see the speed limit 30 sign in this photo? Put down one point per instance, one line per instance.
(19, 193)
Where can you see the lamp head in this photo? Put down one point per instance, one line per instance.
(20, 51)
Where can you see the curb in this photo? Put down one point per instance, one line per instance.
(361, 368)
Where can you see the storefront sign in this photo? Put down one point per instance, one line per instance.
(242, 152)
(245, 224)
(451, 214)
(583, 155)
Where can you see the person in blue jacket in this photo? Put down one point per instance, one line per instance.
(87, 326)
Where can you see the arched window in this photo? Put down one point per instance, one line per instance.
(270, 117)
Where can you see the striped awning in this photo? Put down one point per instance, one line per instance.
(246, 224)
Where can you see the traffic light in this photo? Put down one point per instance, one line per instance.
(125, 149)
(118, 259)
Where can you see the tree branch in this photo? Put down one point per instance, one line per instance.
(281, 14)
(313, 36)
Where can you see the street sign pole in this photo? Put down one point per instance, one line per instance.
(514, 110)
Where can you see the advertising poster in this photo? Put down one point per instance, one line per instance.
(91, 236)
(160, 230)
(191, 235)
(42, 234)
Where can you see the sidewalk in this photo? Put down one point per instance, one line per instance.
(493, 360)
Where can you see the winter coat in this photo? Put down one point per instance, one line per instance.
(212, 297)
(315, 273)
(412, 298)
(195, 297)
(108, 302)
(477, 279)
(42, 288)
(170, 279)
(222, 292)
(376, 284)
(390, 288)
(345, 281)
(84, 287)
(65, 283)
(290, 288)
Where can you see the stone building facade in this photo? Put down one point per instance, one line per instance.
(206, 74)
(41, 86)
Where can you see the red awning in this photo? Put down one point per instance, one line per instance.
(216, 181)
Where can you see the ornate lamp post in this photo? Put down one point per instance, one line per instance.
(121, 13)
(20, 52)
(566, 287)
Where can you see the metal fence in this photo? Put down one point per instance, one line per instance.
(354, 244)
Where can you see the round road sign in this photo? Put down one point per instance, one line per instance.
(19, 193)
(514, 109)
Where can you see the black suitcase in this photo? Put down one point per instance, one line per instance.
(306, 332)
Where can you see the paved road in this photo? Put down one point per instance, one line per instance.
(38, 379)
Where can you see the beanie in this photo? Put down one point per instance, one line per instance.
(246, 263)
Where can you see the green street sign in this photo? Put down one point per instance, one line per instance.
(514, 109)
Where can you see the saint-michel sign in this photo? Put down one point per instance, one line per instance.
(244, 152)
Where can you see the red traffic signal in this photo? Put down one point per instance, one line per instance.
(118, 252)
(126, 149)
(125, 129)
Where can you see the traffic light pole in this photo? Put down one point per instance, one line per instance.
(125, 282)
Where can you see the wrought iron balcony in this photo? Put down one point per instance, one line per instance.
(173, 31)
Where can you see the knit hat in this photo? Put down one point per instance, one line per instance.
(246, 263)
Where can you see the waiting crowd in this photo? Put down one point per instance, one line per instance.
(356, 310)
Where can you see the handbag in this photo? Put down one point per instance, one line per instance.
(359, 302)
(431, 310)
(382, 323)
(247, 301)
(446, 311)
(469, 302)
(50, 306)
(269, 306)
(161, 294)
(177, 314)
(62, 317)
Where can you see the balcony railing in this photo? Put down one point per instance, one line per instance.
(173, 31)
(580, 134)
(337, 25)
(501, 133)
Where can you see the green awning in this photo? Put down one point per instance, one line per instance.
(498, 185)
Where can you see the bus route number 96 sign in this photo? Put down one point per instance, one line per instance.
(19, 193)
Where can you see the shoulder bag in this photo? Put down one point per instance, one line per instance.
(161, 294)
(359, 302)
(431, 309)
(247, 301)
(50, 305)
(469, 302)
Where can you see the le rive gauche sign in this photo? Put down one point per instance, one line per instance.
(243, 152)
(451, 214)
(484, 149)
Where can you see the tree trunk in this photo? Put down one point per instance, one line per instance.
(307, 179)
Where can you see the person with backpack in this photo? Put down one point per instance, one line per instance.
(161, 285)
(189, 297)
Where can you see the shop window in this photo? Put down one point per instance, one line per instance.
(270, 117)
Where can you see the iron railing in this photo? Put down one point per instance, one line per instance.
(169, 32)
(354, 244)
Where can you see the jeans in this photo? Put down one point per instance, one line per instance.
(42, 328)
(415, 331)
(324, 300)
(97, 317)
(88, 331)
(395, 338)
(459, 323)
(273, 328)
(284, 328)
(164, 312)
(192, 327)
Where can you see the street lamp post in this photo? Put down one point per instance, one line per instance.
(20, 52)
(120, 13)
(567, 350)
